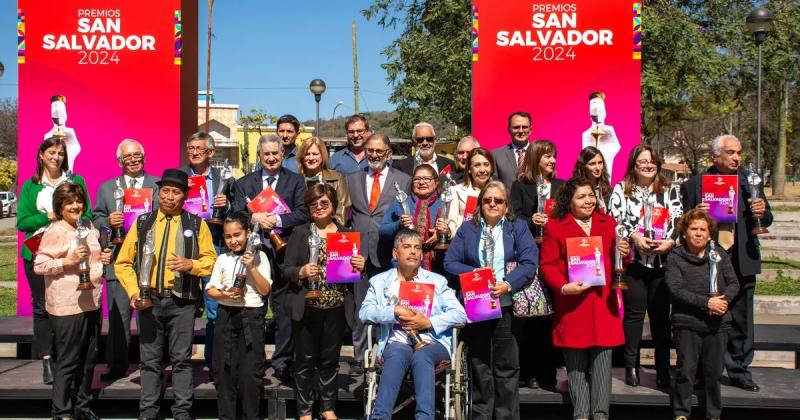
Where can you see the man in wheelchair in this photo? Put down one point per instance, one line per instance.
(406, 327)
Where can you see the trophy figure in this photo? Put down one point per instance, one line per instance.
(447, 198)
(314, 242)
(204, 198)
(542, 191)
(753, 180)
(488, 244)
(81, 237)
(118, 234)
(619, 262)
(58, 114)
(713, 260)
(402, 198)
(253, 241)
(146, 205)
(145, 269)
(355, 252)
(278, 243)
(416, 340)
(218, 213)
(597, 262)
(647, 207)
(731, 195)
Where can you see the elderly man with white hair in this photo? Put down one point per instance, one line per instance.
(424, 138)
(107, 214)
(743, 247)
(464, 146)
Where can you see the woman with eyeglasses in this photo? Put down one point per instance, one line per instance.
(494, 239)
(34, 212)
(318, 323)
(312, 160)
(538, 357)
(423, 205)
(479, 170)
(586, 322)
(592, 165)
(638, 202)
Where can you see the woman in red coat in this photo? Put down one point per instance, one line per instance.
(586, 323)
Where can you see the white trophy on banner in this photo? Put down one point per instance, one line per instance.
(599, 134)
(58, 112)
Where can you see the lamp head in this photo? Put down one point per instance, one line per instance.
(317, 87)
(759, 23)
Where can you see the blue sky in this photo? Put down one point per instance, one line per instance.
(265, 53)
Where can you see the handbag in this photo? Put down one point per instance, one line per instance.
(532, 300)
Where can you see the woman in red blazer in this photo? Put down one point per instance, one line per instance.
(586, 323)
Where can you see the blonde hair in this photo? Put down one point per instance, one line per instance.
(301, 154)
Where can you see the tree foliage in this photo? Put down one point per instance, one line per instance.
(8, 128)
(8, 174)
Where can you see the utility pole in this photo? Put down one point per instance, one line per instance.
(355, 69)
(208, 66)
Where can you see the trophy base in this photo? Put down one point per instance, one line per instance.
(85, 285)
(216, 221)
(313, 294)
(144, 303)
(758, 230)
(117, 241)
(237, 290)
(420, 344)
(619, 285)
(714, 294)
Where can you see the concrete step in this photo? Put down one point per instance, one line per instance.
(783, 253)
(771, 274)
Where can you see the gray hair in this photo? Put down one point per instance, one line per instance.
(269, 138)
(382, 137)
(125, 142)
(468, 138)
(201, 135)
(406, 234)
(422, 124)
(716, 144)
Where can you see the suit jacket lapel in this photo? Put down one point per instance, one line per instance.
(387, 193)
(360, 189)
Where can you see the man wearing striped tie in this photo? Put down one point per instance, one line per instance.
(741, 245)
(509, 157)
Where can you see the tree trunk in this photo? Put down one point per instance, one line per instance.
(779, 170)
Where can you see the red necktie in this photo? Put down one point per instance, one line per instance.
(375, 195)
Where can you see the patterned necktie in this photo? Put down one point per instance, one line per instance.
(270, 180)
(520, 157)
(162, 256)
(375, 194)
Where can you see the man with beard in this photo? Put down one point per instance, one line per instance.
(424, 138)
(288, 129)
(372, 192)
(130, 156)
(509, 157)
(353, 158)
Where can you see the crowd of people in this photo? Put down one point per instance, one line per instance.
(424, 219)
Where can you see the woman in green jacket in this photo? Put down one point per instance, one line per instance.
(34, 212)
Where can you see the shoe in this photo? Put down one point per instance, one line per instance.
(746, 384)
(113, 375)
(663, 382)
(356, 369)
(87, 415)
(631, 377)
(47, 371)
(681, 418)
(533, 383)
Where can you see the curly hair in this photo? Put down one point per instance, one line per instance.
(563, 201)
(580, 170)
(692, 215)
(66, 193)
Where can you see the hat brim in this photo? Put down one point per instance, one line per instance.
(176, 182)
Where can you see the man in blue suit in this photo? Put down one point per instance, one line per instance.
(291, 187)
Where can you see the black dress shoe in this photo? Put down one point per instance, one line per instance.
(47, 371)
(533, 383)
(746, 384)
(88, 415)
(631, 377)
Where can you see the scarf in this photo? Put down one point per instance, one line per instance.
(424, 225)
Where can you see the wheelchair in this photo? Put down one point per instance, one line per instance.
(452, 381)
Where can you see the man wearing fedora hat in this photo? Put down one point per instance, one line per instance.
(184, 253)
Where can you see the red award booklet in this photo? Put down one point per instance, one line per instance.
(197, 199)
(136, 201)
(268, 201)
(341, 247)
(417, 296)
(585, 260)
(548, 207)
(478, 303)
(469, 207)
(660, 222)
(721, 194)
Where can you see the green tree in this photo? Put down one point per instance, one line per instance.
(8, 174)
(8, 127)
(429, 65)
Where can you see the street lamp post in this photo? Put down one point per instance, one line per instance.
(333, 115)
(759, 23)
(317, 87)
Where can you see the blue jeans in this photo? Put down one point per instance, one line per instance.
(397, 358)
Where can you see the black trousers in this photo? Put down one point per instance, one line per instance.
(740, 348)
(42, 326)
(494, 360)
(693, 348)
(239, 361)
(76, 338)
(119, 327)
(317, 342)
(284, 347)
(647, 291)
(538, 358)
(171, 319)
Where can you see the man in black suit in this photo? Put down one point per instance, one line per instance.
(726, 153)
(424, 138)
(508, 158)
(291, 187)
(130, 156)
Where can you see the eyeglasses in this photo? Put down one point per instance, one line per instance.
(195, 149)
(423, 179)
(379, 152)
(131, 156)
(321, 205)
(520, 127)
(490, 200)
(646, 162)
(428, 139)
(356, 132)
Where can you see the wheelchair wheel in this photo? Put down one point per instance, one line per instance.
(371, 381)
(462, 398)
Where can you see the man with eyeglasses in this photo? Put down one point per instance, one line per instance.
(424, 138)
(508, 158)
(353, 158)
(372, 192)
(288, 129)
(199, 151)
(464, 146)
(130, 157)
